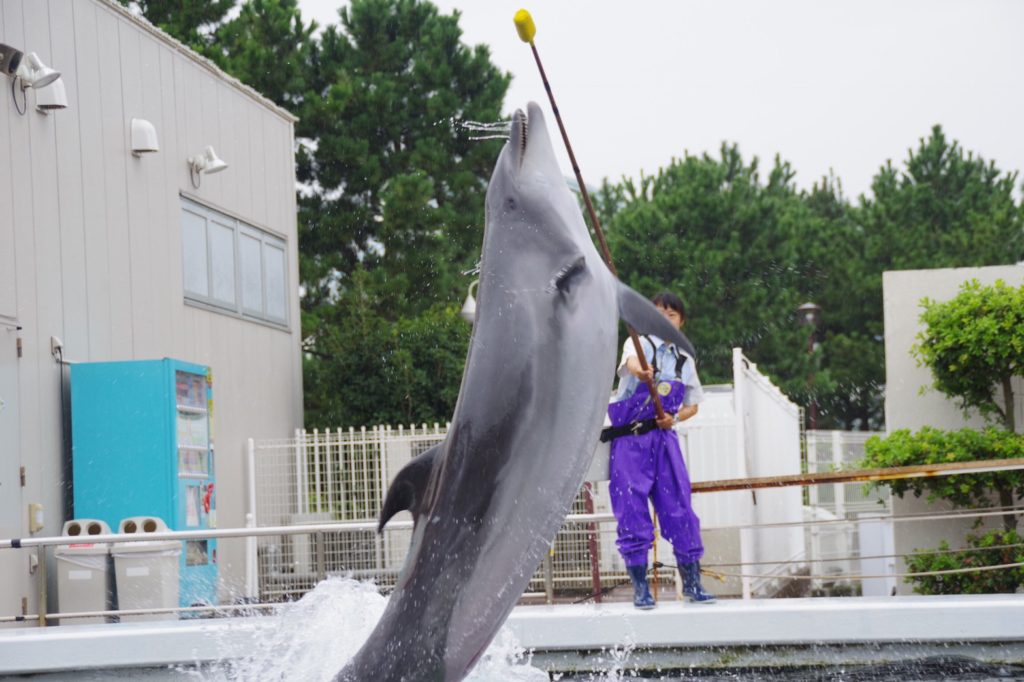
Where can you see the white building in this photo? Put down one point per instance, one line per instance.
(123, 256)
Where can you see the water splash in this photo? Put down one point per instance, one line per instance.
(479, 130)
(315, 637)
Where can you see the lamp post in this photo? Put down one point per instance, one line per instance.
(809, 314)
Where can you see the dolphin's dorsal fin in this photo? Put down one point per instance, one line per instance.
(641, 315)
(406, 491)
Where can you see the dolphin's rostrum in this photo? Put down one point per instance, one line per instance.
(490, 498)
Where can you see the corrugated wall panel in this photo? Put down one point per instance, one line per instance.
(89, 112)
(258, 166)
(156, 223)
(140, 218)
(70, 171)
(112, 165)
(47, 275)
(8, 276)
(226, 143)
(241, 154)
(186, 118)
(171, 161)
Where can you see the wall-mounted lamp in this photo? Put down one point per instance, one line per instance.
(34, 73)
(28, 69)
(205, 162)
(144, 140)
(51, 97)
(468, 312)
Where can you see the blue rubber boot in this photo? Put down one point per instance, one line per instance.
(642, 598)
(692, 589)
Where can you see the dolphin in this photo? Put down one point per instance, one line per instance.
(488, 501)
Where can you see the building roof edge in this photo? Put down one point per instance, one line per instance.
(200, 60)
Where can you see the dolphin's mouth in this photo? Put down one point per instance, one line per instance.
(524, 130)
(518, 135)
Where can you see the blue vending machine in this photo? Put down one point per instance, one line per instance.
(142, 444)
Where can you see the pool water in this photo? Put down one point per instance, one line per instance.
(313, 638)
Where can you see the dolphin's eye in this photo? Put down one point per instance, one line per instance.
(510, 203)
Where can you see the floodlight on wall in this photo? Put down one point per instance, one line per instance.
(34, 73)
(51, 97)
(205, 162)
(30, 71)
(144, 140)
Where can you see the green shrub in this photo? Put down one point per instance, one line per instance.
(988, 549)
(935, 446)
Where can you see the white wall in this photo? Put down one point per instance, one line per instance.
(90, 245)
(910, 402)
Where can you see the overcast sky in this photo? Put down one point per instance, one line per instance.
(841, 85)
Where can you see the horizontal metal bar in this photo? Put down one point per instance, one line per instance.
(851, 476)
(859, 475)
(200, 534)
(145, 612)
(354, 526)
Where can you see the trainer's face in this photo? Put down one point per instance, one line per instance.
(673, 316)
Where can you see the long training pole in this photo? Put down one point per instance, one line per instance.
(527, 30)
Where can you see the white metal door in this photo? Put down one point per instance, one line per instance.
(13, 562)
(877, 548)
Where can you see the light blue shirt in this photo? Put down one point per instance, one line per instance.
(666, 363)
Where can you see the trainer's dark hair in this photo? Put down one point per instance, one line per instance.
(667, 299)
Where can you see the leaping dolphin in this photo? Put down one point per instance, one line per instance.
(489, 499)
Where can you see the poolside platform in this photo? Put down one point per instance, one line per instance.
(581, 637)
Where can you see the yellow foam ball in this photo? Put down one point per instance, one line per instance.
(525, 26)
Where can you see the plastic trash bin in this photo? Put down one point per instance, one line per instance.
(147, 571)
(83, 571)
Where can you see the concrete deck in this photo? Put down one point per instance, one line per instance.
(573, 637)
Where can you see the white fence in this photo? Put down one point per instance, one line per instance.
(865, 546)
(747, 429)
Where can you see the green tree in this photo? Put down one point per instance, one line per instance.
(742, 251)
(399, 188)
(396, 373)
(395, 215)
(745, 252)
(946, 208)
(974, 346)
(269, 47)
(193, 22)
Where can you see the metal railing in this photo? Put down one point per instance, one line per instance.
(565, 568)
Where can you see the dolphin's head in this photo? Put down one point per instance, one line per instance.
(529, 207)
(527, 185)
(529, 155)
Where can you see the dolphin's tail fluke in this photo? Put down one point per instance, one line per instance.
(408, 488)
(641, 315)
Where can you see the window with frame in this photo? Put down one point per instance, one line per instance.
(232, 266)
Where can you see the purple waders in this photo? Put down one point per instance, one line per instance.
(651, 465)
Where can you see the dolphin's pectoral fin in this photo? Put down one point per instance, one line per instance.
(406, 491)
(641, 315)
(567, 274)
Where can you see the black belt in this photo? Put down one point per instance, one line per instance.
(631, 429)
